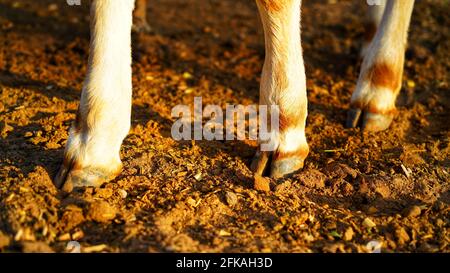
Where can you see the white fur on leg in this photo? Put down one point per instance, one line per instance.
(283, 83)
(283, 80)
(105, 109)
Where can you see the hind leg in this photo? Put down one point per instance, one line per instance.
(373, 101)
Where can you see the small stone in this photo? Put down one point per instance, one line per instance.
(96, 248)
(101, 211)
(368, 223)
(198, 176)
(413, 211)
(224, 233)
(410, 83)
(401, 235)
(261, 183)
(123, 193)
(187, 75)
(78, 235)
(348, 234)
(231, 198)
(372, 210)
(64, 237)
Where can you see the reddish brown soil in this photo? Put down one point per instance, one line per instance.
(186, 196)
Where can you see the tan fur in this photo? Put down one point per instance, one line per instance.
(275, 5)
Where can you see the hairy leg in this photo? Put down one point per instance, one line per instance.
(371, 23)
(379, 82)
(103, 120)
(283, 83)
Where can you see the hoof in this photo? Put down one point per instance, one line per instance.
(277, 167)
(69, 178)
(369, 122)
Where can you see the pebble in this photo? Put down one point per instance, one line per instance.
(198, 176)
(261, 183)
(368, 223)
(123, 193)
(231, 198)
(348, 234)
(402, 236)
(413, 211)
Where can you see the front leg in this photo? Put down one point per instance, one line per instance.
(103, 120)
(380, 80)
(283, 83)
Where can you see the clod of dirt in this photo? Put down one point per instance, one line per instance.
(312, 179)
(36, 247)
(101, 211)
(413, 211)
(340, 170)
(4, 240)
(261, 183)
(104, 193)
(375, 186)
(231, 198)
(368, 223)
(72, 217)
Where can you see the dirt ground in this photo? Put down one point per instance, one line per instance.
(391, 187)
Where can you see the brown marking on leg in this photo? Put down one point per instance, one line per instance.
(384, 75)
(372, 108)
(289, 118)
(300, 153)
(275, 5)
